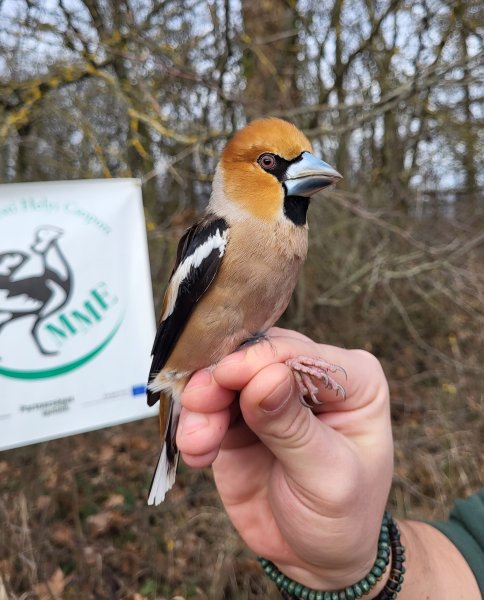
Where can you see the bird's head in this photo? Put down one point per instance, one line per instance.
(268, 170)
(44, 237)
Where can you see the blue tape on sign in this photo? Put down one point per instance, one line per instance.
(136, 390)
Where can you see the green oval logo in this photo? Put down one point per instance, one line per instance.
(61, 369)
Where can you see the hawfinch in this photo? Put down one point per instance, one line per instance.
(235, 271)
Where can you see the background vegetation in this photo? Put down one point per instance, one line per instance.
(388, 91)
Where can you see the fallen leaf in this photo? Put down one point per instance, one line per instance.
(52, 588)
(105, 521)
(63, 535)
(43, 502)
(106, 454)
(137, 442)
(5, 569)
(114, 500)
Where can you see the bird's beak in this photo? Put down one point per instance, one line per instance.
(309, 175)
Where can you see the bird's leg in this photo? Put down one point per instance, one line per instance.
(306, 368)
(254, 339)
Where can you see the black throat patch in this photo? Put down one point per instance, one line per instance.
(296, 208)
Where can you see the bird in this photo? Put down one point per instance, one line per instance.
(40, 295)
(235, 271)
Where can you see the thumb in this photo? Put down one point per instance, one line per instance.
(297, 438)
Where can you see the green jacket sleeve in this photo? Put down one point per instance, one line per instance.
(465, 529)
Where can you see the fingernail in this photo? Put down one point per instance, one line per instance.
(192, 422)
(278, 398)
(199, 379)
(235, 357)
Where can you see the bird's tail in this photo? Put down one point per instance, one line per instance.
(165, 472)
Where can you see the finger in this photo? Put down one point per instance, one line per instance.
(200, 461)
(236, 370)
(204, 394)
(200, 434)
(301, 442)
(238, 435)
(274, 332)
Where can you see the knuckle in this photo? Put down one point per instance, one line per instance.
(370, 361)
(369, 358)
(376, 381)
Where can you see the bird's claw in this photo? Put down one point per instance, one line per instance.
(307, 367)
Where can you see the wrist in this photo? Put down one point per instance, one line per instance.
(337, 579)
(319, 581)
(380, 582)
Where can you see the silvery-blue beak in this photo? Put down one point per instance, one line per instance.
(309, 175)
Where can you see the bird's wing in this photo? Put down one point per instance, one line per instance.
(199, 255)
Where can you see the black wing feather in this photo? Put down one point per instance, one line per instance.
(194, 285)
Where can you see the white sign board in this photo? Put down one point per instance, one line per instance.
(76, 308)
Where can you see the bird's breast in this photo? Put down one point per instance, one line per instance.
(250, 292)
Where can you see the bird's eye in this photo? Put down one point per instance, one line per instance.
(267, 161)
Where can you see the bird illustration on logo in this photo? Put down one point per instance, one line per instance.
(38, 296)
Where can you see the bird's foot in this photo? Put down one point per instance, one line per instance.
(306, 368)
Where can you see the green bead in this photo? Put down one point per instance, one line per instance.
(304, 593)
(312, 595)
(279, 579)
(349, 593)
(334, 596)
(377, 572)
(342, 595)
(327, 596)
(358, 591)
(379, 562)
(291, 586)
(319, 596)
(297, 590)
(371, 579)
(365, 586)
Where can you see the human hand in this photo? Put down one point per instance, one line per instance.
(306, 490)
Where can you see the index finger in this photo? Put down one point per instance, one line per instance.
(365, 378)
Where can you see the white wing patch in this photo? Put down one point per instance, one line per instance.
(217, 241)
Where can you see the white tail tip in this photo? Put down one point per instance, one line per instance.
(163, 479)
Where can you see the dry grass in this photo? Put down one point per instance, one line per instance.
(79, 505)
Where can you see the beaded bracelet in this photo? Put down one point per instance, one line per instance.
(389, 538)
(395, 579)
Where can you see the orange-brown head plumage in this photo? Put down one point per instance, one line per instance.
(265, 135)
(244, 181)
(267, 171)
